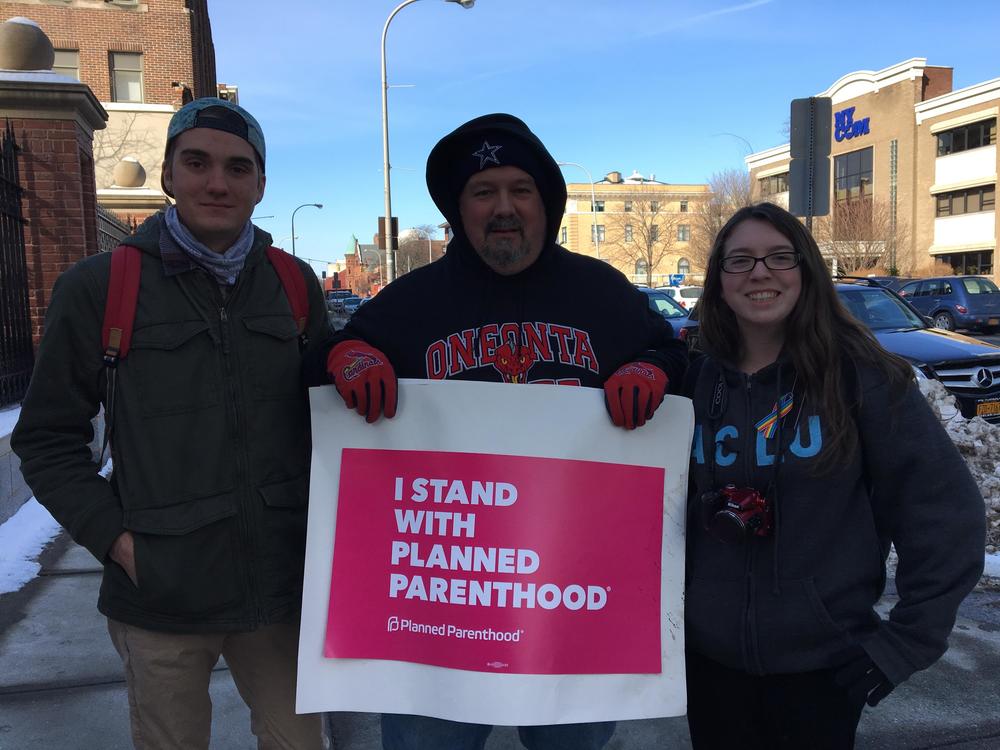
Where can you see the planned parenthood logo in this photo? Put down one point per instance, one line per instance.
(446, 630)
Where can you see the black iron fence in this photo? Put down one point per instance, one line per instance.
(16, 354)
(111, 229)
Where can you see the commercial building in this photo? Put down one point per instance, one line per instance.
(641, 226)
(914, 172)
(143, 59)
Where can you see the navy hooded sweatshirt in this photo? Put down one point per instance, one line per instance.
(801, 597)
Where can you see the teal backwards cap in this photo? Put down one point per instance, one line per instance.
(219, 114)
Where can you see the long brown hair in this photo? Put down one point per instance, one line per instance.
(822, 339)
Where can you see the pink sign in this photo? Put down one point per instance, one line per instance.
(497, 563)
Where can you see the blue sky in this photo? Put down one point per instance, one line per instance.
(612, 84)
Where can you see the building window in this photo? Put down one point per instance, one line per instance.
(628, 205)
(968, 201)
(563, 235)
(852, 175)
(654, 233)
(596, 231)
(67, 63)
(598, 206)
(684, 207)
(684, 266)
(976, 263)
(628, 232)
(975, 135)
(654, 206)
(776, 183)
(641, 267)
(126, 77)
(683, 232)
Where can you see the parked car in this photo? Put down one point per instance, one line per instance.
(665, 305)
(351, 304)
(685, 296)
(890, 282)
(335, 300)
(956, 301)
(968, 368)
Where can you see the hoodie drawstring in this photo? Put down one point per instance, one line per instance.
(779, 455)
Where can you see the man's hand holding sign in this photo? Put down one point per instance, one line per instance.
(364, 378)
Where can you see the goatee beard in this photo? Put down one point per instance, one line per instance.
(503, 252)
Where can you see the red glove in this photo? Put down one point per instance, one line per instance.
(364, 378)
(633, 393)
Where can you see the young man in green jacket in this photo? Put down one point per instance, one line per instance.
(201, 528)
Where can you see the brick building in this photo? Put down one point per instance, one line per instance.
(142, 59)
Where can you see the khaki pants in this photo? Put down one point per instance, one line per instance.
(168, 676)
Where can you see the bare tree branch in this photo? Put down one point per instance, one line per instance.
(731, 190)
(415, 249)
(113, 144)
(863, 237)
(645, 235)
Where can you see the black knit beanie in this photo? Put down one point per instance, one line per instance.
(497, 140)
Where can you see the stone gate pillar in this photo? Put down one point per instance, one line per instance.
(54, 118)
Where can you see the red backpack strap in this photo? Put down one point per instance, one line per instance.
(119, 308)
(294, 284)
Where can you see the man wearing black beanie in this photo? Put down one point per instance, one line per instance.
(505, 304)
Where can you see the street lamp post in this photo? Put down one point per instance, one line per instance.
(314, 205)
(739, 138)
(390, 254)
(593, 202)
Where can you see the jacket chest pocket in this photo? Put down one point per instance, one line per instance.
(174, 367)
(274, 361)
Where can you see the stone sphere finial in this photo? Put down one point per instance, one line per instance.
(129, 173)
(24, 46)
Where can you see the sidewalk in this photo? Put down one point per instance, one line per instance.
(61, 685)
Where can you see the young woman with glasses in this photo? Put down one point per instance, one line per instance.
(813, 451)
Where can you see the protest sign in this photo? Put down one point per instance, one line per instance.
(497, 554)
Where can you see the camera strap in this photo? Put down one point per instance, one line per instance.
(718, 402)
(720, 397)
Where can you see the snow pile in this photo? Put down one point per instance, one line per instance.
(22, 539)
(979, 443)
(8, 418)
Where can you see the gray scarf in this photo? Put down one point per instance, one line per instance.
(225, 267)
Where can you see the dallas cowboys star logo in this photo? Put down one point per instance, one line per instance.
(487, 154)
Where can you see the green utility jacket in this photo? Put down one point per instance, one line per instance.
(211, 440)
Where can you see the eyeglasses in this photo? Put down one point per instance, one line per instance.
(745, 263)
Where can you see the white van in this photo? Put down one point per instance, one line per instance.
(685, 296)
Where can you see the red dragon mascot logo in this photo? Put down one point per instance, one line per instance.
(513, 365)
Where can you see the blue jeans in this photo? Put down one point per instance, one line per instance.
(404, 732)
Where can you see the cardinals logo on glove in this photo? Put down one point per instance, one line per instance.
(364, 378)
(633, 393)
(361, 362)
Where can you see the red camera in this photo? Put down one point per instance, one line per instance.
(734, 514)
